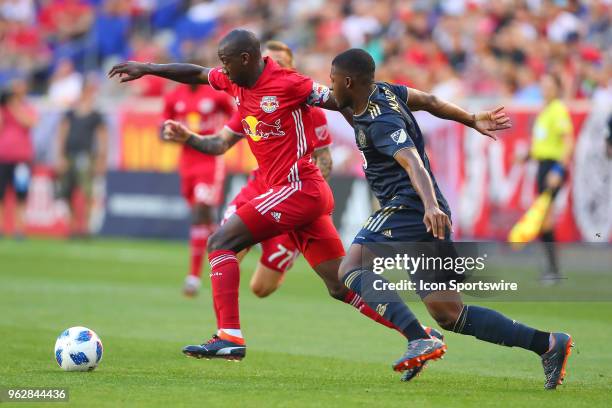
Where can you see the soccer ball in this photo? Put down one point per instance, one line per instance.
(78, 349)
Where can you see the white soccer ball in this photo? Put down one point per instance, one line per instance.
(78, 349)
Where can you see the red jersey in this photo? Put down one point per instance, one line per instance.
(318, 136)
(203, 110)
(274, 115)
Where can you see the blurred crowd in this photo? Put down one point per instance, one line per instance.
(454, 48)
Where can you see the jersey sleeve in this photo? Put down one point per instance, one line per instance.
(235, 124)
(401, 91)
(308, 91)
(218, 80)
(390, 136)
(322, 134)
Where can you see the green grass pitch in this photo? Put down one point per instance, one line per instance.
(305, 349)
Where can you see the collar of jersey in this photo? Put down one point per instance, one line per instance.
(367, 104)
(266, 71)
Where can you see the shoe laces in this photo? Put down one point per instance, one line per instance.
(213, 339)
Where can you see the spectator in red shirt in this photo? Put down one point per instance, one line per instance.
(17, 117)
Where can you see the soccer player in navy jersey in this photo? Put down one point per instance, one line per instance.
(413, 209)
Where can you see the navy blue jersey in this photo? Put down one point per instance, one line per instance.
(386, 127)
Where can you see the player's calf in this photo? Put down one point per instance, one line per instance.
(265, 281)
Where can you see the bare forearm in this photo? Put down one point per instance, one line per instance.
(418, 100)
(419, 176)
(214, 145)
(424, 187)
(179, 72)
(450, 111)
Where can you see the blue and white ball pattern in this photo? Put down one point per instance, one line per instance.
(78, 349)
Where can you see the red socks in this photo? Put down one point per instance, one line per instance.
(198, 238)
(225, 282)
(357, 302)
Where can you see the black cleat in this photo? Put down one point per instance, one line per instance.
(216, 347)
(413, 372)
(419, 351)
(555, 359)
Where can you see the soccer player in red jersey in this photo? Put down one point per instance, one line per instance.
(278, 253)
(273, 103)
(203, 110)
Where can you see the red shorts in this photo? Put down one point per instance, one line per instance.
(277, 253)
(204, 187)
(304, 214)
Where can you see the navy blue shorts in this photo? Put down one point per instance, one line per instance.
(545, 167)
(403, 230)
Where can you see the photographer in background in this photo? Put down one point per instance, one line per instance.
(17, 117)
(82, 152)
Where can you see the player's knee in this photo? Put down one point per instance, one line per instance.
(445, 315)
(261, 289)
(216, 242)
(337, 290)
(343, 269)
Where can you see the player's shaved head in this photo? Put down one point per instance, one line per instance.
(240, 54)
(240, 41)
(356, 63)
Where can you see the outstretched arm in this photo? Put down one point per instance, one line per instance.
(486, 122)
(331, 104)
(214, 145)
(179, 72)
(435, 219)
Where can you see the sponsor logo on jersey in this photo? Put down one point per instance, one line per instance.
(258, 130)
(269, 104)
(193, 121)
(276, 215)
(399, 136)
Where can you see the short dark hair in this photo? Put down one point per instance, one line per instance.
(356, 62)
